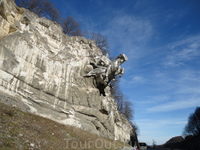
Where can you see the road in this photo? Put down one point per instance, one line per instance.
(131, 148)
(158, 149)
(162, 149)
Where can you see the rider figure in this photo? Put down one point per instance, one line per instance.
(105, 70)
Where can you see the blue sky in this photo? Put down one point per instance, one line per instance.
(162, 41)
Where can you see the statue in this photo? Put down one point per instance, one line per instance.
(105, 70)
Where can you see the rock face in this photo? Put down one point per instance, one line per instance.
(41, 70)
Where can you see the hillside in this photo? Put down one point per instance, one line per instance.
(21, 130)
(175, 140)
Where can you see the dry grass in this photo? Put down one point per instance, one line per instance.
(23, 131)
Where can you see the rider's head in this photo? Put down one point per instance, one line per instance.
(123, 57)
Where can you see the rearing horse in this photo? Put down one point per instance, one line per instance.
(105, 70)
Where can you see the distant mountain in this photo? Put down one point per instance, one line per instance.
(175, 139)
(189, 143)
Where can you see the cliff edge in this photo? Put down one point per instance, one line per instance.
(42, 69)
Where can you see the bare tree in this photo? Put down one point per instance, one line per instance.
(42, 8)
(193, 125)
(135, 128)
(117, 94)
(134, 133)
(101, 42)
(71, 27)
(128, 111)
(154, 144)
(50, 11)
(123, 103)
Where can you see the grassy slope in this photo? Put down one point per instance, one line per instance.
(20, 131)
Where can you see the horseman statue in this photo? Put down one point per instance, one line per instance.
(105, 70)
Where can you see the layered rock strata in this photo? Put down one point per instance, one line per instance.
(41, 72)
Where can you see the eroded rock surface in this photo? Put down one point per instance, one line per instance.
(41, 70)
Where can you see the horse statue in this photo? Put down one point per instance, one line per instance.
(105, 70)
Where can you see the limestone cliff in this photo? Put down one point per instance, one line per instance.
(42, 69)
